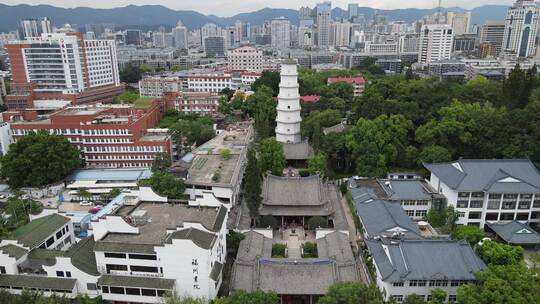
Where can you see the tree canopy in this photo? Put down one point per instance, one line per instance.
(165, 184)
(494, 253)
(471, 234)
(255, 297)
(272, 158)
(38, 159)
(352, 293)
(252, 183)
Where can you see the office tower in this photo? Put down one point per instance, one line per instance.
(306, 17)
(353, 11)
(306, 36)
(34, 27)
(435, 43)
(214, 46)
(324, 11)
(459, 21)
(180, 35)
(288, 109)
(493, 33)
(209, 30)
(281, 32)
(134, 37)
(520, 29)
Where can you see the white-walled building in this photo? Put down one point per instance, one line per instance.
(180, 36)
(245, 59)
(521, 26)
(288, 109)
(280, 29)
(6, 137)
(324, 17)
(404, 267)
(436, 42)
(485, 191)
(459, 21)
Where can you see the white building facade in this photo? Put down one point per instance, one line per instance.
(436, 42)
(521, 26)
(288, 109)
(245, 58)
(280, 32)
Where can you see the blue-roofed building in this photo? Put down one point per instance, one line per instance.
(404, 267)
(106, 178)
(489, 190)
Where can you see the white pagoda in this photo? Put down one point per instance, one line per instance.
(288, 109)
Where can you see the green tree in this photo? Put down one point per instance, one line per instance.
(309, 250)
(444, 218)
(317, 222)
(501, 284)
(252, 183)
(269, 79)
(255, 297)
(161, 162)
(128, 97)
(271, 157)
(438, 296)
(266, 221)
(165, 184)
(317, 165)
(434, 154)
(39, 159)
(313, 124)
(191, 130)
(262, 107)
(413, 298)
(131, 74)
(517, 88)
(84, 193)
(378, 142)
(225, 153)
(471, 234)
(279, 250)
(493, 253)
(173, 298)
(224, 107)
(229, 93)
(233, 242)
(352, 293)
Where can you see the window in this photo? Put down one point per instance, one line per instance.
(115, 255)
(522, 216)
(133, 291)
(60, 274)
(524, 205)
(143, 257)
(462, 203)
(492, 216)
(452, 298)
(414, 283)
(148, 292)
(398, 298)
(50, 241)
(475, 215)
(110, 267)
(463, 195)
(477, 204)
(143, 268)
(105, 289)
(2, 270)
(161, 293)
(117, 290)
(68, 274)
(398, 284)
(92, 286)
(507, 217)
(509, 205)
(421, 212)
(494, 204)
(410, 212)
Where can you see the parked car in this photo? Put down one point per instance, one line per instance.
(86, 203)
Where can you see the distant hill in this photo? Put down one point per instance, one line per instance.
(151, 16)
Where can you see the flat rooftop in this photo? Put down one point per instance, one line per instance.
(161, 217)
(109, 175)
(204, 167)
(154, 137)
(81, 111)
(234, 140)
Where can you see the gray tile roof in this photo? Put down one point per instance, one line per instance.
(41, 282)
(14, 251)
(215, 274)
(340, 127)
(294, 191)
(424, 259)
(124, 247)
(255, 269)
(405, 189)
(203, 239)
(83, 257)
(131, 281)
(298, 151)
(515, 233)
(490, 175)
(37, 231)
(39, 257)
(381, 217)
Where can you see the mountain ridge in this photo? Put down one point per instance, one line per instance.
(152, 16)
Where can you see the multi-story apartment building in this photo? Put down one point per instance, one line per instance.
(52, 70)
(180, 36)
(520, 28)
(436, 42)
(155, 86)
(202, 103)
(245, 59)
(280, 32)
(106, 135)
(214, 46)
(485, 191)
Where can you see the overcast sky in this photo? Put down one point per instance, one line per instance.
(232, 7)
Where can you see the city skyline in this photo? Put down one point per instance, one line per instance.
(229, 8)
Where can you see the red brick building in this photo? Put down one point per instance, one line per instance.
(107, 135)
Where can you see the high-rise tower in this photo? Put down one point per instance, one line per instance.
(288, 109)
(521, 26)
